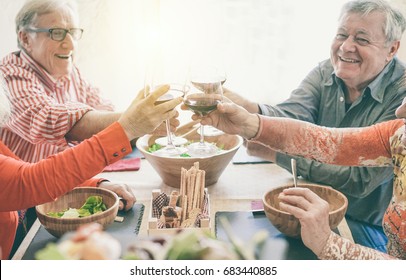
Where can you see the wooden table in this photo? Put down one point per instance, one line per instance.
(236, 188)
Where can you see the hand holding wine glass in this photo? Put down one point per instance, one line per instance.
(205, 93)
(169, 148)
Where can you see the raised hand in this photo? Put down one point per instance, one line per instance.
(143, 116)
(232, 119)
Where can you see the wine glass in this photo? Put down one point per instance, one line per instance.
(208, 70)
(171, 147)
(202, 98)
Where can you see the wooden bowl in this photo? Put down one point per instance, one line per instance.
(287, 223)
(169, 168)
(75, 199)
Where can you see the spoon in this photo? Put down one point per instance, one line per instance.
(293, 163)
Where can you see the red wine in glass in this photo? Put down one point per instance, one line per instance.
(202, 104)
(202, 100)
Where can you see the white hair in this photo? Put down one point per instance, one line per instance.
(5, 108)
(28, 15)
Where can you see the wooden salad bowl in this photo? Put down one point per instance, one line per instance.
(169, 168)
(290, 225)
(75, 199)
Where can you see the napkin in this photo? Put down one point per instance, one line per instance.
(125, 164)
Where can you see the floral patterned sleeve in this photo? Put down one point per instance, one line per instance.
(339, 248)
(377, 145)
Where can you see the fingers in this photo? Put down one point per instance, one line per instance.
(142, 93)
(166, 106)
(226, 100)
(303, 192)
(174, 123)
(122, 204)
(298, 197)
(151, 97)
(127, 200)
(301, 201)
(295, 203)
(295, 211)
(222, 107)
(184, 107)
(169, 105)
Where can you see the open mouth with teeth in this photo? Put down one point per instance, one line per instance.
(62, 56)
(348, 60)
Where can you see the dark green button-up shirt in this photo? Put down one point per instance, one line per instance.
(320, 99)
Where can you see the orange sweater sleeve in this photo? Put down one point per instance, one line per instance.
(28, 184)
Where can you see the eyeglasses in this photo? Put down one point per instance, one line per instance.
(59, 34)
(360, 40)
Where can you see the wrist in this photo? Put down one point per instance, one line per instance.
(252, 126)
(323, 245)
(252, 107)
(101, 181)
(128, 130)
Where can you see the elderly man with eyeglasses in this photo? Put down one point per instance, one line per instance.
(358, 86)
(53, 105)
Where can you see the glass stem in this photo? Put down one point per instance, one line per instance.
(169, 134)
(201, 134)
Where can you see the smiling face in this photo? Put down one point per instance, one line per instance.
(359, 51)
(55, 56)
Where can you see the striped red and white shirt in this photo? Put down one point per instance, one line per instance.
(44, 109)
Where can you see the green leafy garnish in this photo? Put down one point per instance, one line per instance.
(154, 147)
(94, 204)
(56, 214)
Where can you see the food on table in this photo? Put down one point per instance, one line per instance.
(94, 204)
(156, 147)
(188, 205)
(89, 242)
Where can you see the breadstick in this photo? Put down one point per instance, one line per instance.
(184, 208)
(196, 194)
(183, 185)
(173, 199)
(192, 191)
(203, 184)
(182, 181)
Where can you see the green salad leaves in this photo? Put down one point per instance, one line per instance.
(94, 204)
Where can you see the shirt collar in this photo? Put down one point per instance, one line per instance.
(376, 87)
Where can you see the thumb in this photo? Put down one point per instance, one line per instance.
(225, 107)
